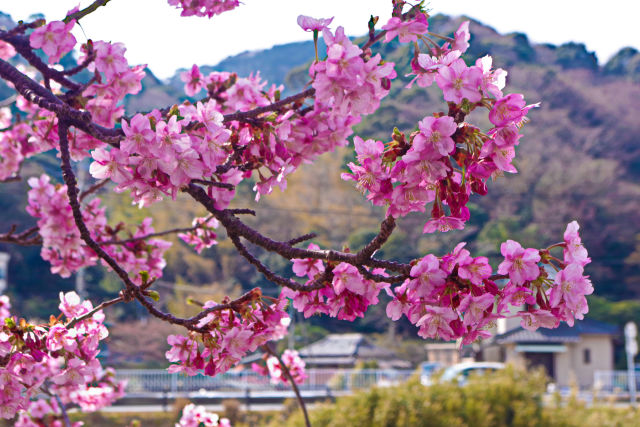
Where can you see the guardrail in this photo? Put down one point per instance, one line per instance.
(150, 381)
(615, 382)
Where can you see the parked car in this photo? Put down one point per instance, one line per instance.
(461, 371)
(427, 369)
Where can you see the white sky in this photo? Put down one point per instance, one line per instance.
(155, 34)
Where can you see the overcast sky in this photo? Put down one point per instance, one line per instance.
(155, 34)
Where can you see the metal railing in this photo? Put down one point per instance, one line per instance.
(615, 382)
(148, 381)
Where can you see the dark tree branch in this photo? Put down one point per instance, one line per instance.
(267, 273)
(214, 183)
(86, 11)
(386, 228)
(72, 192)
(236, 227)
(302, 238)
(276, 106)
(63, 409)
(24, 238)
(242, 212)
(380, 278)
(95, 187)
(267, 348)
(89, 314)
(84, 64)
(159, 233)
(37, 94)
(23, 47)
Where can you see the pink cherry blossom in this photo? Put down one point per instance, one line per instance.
(461, 38)
(406, 31)
(193, 81)
(520, 264)
(110, 58)
(459, 82)
(55, 39)
(308, 23)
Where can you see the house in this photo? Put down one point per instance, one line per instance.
(347, 350)
(567, 354)
(448, 353)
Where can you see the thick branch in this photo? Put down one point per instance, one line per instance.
(266, 272)
(236, 227)
(23, 47)
(37, 94)
(72, 192)
(386, 228)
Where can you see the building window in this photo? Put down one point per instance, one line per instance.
(586, 356)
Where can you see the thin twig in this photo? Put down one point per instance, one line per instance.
(89, 314)
(22, 239)
(84, 12)
(214, 183)
(302, 238)
(159, 233)
(243, 115)
(242, 212)
(65, 416)
(267, 348)
(95, 187)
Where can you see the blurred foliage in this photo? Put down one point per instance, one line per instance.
(504, 398)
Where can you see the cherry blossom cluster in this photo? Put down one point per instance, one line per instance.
(446, 159)
(292, 361)
(456, 296)
(40, 364)
(227, 336)
(206, 8)
(197, 416)
(203, 236)
(564, 297)
(347, 297)
(65, 250)
(43, 412)
(113, 78)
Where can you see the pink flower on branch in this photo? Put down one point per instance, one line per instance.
(520, 264)
(406, 31)
(459, 82)
(308, 23)
(55, 39)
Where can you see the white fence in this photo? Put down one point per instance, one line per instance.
(615, 382)
(152, 381)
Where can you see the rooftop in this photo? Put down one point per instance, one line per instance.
(345, 345)
(562, 334)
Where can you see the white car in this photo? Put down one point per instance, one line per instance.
(461, 371)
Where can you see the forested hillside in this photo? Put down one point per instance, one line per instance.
(579, 159)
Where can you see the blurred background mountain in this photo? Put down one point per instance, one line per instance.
(579, 159)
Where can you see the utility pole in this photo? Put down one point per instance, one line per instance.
(631, 348)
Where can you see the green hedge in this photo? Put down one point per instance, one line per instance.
(507, 398)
